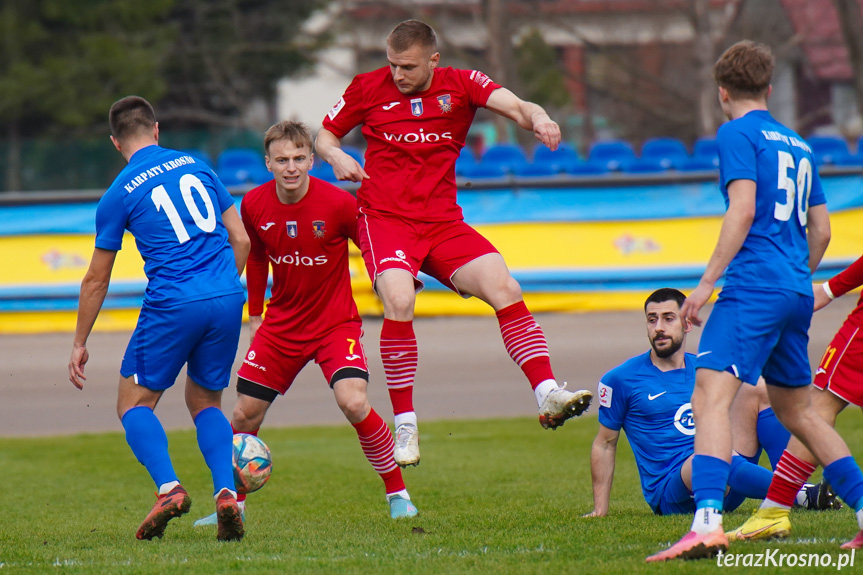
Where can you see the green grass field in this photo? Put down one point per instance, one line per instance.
(495, 496)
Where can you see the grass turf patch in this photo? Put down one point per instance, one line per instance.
(495, 496)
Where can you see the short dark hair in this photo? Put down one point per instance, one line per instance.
(411, 33)
(296, 132)
(745, 69)
(130, 116)
(665, 294)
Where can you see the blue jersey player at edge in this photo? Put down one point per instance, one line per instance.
(194, 248)
(648, 397)
(774, 233)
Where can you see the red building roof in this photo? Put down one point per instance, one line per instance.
(817, 24)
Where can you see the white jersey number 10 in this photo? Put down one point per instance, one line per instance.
(800, 188)
(188, 183)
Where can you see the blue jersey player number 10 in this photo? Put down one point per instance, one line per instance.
(188, 184)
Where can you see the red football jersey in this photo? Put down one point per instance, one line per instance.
(413, 140)
(307, 246)
(845, 281)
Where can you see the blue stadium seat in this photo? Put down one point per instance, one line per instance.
(536, 169)
(828, 150)
(323, 171)
(355, 153)
(669, 152)
(558, 159)
(612, 153)
(698, 164)
(484, 171)
(706, 148)
(507, 156)
(644, 166)
(240, 165)
(587, 168)
(465, 158)
(199, 154)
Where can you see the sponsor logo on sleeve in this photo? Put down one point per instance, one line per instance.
(480, 78)
(336, 109)
(604, 395)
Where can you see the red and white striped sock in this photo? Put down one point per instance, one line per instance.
(788, 477)
(377, 443)
(399, 356)
(241, 497)
(525, 343)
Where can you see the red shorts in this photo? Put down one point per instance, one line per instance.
(436, 248)
(841, 367)
(275, 364)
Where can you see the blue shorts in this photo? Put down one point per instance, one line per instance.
(203, 333)
(753, 333)
(675, 498)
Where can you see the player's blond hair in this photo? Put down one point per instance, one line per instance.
(130, 116)
(411, 33)
(296, 132)
(745, 70)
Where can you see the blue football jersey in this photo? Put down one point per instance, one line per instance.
(775, 254)
(172, 204)
(653, 408)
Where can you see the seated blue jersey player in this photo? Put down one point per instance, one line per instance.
(648, 397)
(773, 235)
(194, 247)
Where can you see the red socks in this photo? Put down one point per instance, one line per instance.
(525, 342)
(399, 356)
(790, 475)
(377, 443)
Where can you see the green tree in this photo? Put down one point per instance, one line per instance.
(540, 73)
(64, 62)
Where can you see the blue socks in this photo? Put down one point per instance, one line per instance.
(772, 435)
(709, 478)
(215, 439)
(846, 479)
(750, 480)
(146, 436)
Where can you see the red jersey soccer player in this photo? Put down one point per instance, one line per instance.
(415, 118)
(840, 373)
(300, 226)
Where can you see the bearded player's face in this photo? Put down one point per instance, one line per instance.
(412, 70)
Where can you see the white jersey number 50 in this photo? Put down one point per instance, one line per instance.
(801, 188)
(188, 183)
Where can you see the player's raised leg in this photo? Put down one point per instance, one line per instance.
(146, 437)
(488, 278)
(375, 440)
(399, 355)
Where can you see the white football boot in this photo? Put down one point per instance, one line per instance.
(407, 449)
(560, 404)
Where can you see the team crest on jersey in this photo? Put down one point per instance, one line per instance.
(417, 106)
(292, 229)
(318, 227)
(445, 103)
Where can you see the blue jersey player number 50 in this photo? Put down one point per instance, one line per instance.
(782, 212)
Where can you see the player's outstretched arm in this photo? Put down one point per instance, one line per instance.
(94, 288)
(237, 237)
(528, 115)
(329, 148)
(602, 455)
(735, 227)
(818, 234)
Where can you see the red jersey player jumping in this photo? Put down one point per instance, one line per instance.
(300, 226)
(840, 373)
(415, 118)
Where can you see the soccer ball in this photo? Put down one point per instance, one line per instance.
(252, 463)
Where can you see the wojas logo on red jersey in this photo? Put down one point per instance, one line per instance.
(296, 259)
(421, 137)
